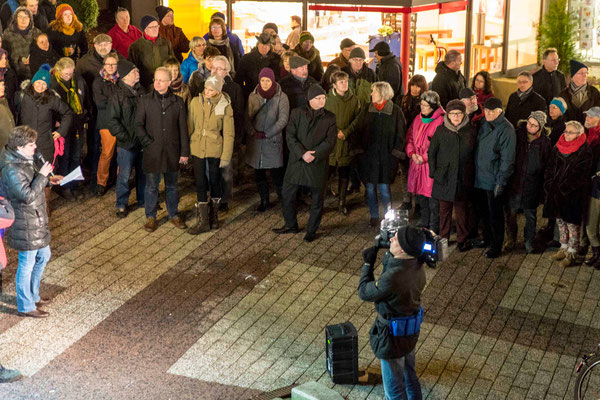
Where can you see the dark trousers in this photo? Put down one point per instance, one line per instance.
(462, 221)
(430, 213)
(260, 175)
(71, 159)
(204, 182)
(491, 211)
(128, 160)
(151, 194)
(289, 207)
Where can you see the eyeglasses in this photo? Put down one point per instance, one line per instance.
(456, 113)
(571, 132)
(532, 125)
(214, 28)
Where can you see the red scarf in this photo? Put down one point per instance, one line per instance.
(153, 39)
(379, 106)
(570, 147)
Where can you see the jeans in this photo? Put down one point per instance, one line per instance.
(208, 176)
(129, 159)
(386, 198)
(151, 193)
(530, 223)
(400, 381)
(29, 275)
(289, 193)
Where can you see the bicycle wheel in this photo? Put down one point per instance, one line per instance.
(587, 385)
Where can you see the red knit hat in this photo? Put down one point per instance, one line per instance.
(62, 8)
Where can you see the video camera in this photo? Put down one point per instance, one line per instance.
(435, 248)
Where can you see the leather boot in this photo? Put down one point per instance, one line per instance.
(342, 186)
(594, 258)
(200, 223)
(47, 191)
(213, 217)
(263, 191)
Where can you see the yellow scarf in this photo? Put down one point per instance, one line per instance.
(72, 97)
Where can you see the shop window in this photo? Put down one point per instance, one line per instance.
(250, 17)
(488, 34)
(522, 43)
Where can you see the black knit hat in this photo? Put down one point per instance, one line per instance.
(271, 25)
(576, 66)
(315, 90)
(347, 43)
(466, 93)
(492, 103)
(124, 67)
(146, 20)
(456, 105)
(412, 240)
(161, 11)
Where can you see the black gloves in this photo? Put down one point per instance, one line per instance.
(498, 191)
(370, 255)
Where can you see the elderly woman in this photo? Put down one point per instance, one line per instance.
(382, 136)
(566, 187)
(218, 38)
(417, 143)
(267, 115)
(105, 85)
(66, 34)
(195, 58)
(411, 101)
(17, 39)
(210, 122)
(482, 86)
(452, 168)
(526, 185)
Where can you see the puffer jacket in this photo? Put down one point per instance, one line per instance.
(121, 115)
(347, 110)
(189, 65)
(210, 126)
(269, 117)
(495, 153)
(24, 188)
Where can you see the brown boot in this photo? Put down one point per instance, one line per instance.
(559, 255)
(214, 213)
(201, 219)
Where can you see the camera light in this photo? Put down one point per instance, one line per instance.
(427, 247)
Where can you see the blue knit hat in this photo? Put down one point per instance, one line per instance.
(42, 74)
(576, 66)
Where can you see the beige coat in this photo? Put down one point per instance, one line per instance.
(210, 124)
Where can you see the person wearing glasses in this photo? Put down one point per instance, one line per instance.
(219, 39)
(172, 33)
(580, 95)
(195, 58)
(494, 164)
(566, 188)
(524, 101)
(150, 51)
(548, 81)
(17, 39)
(452, 168)
(526, 185)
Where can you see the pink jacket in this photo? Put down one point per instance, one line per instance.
(417, 142)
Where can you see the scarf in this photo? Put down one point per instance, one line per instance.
(267, 95)
(567, 148)
(302, 80)
(379, 106)
(177, 84)
(579, 94)
(23, 32)
(72, 97)
(228, 51)
(152, 39)
(114, 78)
(427, 118)
(525, 94)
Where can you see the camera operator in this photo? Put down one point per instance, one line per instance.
(397, 298)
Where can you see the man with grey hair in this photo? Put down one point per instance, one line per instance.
(548, 81)
(123, 33)
(448, 79)
(525, 100)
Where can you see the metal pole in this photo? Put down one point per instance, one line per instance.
(468, 39)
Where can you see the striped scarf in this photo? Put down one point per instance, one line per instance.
(72, 96)
(114, 78)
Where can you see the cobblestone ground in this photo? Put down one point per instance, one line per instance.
(233, 312)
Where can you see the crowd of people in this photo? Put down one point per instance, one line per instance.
(150, 100)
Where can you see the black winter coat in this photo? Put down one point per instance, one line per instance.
(548, 84)
(79, 120)
(48, 10)
(102, 91)
(573, 113)
(447, 83)
(11, 87)
(250, 66)
(88, 67)
(397, 293)
(24, 188)
(307, 130)
(518, 109)
(38, 57)
(238, 104)
(122, 114)
(389, 70)
(40, 113)
(557, 127)
(411, 107)
(381, 140)
(526, 185)
(60, 41)
(162, 130)
(567, 184)
(451, 160)
(295, 90)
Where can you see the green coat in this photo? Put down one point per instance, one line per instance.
(360, 84)
(148, 56)
(346, 109)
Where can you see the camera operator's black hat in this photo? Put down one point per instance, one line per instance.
(411, 240)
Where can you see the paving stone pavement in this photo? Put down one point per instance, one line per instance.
(239, 310)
